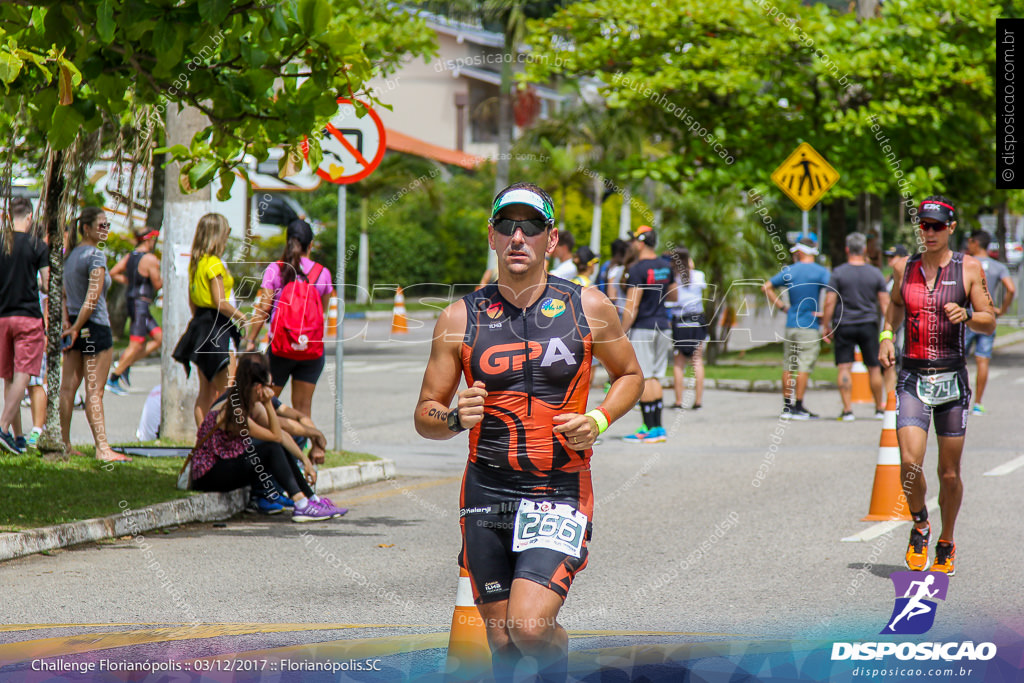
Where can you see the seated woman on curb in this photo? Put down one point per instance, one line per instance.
(240, 442)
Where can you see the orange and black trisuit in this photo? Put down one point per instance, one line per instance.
(535, 364)
(934, 347)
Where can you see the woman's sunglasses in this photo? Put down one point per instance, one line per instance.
(934, 227)
(530, 228)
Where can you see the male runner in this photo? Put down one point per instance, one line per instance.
(139, 271)
(933, 290)
(525, 345)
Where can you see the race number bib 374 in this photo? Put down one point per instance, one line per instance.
(542, 524)
(937, 389)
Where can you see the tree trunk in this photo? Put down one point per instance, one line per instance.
(50, 441)
(182, 214)
(363, 276)
(625, 215)
(1001, 232)
(712, 313)
(501, 170)
(155, 215)
(837, 230)
(595, 223)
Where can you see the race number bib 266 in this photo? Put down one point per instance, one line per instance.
(542, 524)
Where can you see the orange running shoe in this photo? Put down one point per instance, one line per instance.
(945, 553)
(917, 549)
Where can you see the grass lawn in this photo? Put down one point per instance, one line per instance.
(34, 492)
(756, 372)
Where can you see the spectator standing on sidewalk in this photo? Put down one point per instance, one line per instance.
(295, 290)
(996, 275)
(856, 295)
(139, 272)
(566, 268)
(804, 280)
(211, 339)
(584, 259)
(22, 335)
(689, 328)
(88, 342)
(649, 284)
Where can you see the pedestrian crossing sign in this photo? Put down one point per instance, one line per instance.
(805, 176)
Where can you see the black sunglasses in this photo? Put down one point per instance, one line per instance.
(103, 225)
(934, 227)
(530, 228)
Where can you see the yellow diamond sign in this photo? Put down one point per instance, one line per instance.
(805, 176)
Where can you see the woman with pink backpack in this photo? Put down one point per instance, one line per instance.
(294, 294)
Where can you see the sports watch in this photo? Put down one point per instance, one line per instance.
(453, 421)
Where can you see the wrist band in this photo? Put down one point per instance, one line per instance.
(600, 416)
(884, 334)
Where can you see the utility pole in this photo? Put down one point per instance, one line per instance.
(181, 215)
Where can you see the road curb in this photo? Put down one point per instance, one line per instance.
(202, 507)
(1008, 339)
(760, 386)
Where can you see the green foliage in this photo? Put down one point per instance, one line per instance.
(757, 82)
(263, 73)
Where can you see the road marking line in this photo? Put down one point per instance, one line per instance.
(1006, 467)
(882, 528)
(20, 651)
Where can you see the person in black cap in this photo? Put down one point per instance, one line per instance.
(940, 293)
(585, 260)
(648, 284)
(294, 294)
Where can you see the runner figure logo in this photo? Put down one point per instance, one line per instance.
(913, 612)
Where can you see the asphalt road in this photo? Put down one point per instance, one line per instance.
(685, 541)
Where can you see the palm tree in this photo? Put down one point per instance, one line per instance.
(725, 244)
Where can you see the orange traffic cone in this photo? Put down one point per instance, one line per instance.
(332, 318)
(399, 322)
(888, 501)
(469, 655)
(861, 383)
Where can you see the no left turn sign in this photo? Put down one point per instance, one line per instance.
(352, 146)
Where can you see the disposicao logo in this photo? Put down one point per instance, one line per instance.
(914, 614)
(552, 308)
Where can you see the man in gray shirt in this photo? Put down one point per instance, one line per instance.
(856, 292)
(996, 275)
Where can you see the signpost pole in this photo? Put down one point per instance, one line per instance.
(805, 225)
(339, 345)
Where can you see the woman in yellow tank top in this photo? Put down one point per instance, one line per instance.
(212, 337)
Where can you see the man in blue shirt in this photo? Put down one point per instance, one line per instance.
(804, 280)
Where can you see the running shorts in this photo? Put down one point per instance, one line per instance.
(490, 498)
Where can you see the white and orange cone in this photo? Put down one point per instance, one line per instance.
(332, 318)
(888, 501)
(861, 382)
(399, 321)
(469, 655)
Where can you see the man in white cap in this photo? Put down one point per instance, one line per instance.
(525, 345)
(804, 280)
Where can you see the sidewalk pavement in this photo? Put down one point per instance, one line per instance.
(202, 507)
